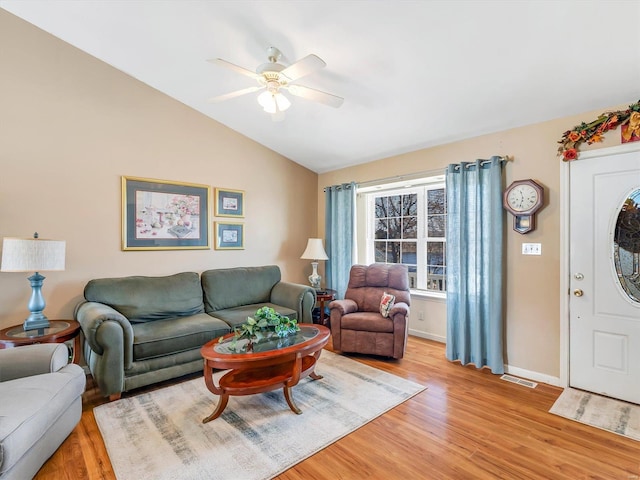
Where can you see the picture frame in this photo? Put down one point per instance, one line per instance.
(229, 236)
(164, 215)
(229, 203)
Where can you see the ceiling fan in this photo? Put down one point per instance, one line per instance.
(273, 78)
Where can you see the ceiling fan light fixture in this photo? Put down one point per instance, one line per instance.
(273, 102)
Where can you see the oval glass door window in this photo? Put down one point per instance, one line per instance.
(626, 246)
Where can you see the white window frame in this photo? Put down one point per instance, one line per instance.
(419, 187)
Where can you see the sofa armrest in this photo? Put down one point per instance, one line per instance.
(337, 309)
(399, 308)
(344, 306)
(300, 298)
(399, 313)
(32, 360)
(106, 331)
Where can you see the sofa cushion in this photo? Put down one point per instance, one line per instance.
(144, 299)
(234, 287)
(31, 405)
(238, 315)
(367, 321)
(173, 335)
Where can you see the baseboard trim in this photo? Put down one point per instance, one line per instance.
(428, 336)
(530, 375)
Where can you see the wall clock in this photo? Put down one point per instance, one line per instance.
(523, 198)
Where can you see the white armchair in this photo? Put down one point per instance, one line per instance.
(41, 405)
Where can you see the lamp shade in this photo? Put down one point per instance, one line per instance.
(315, 250)
(32, 255)
(272, 102)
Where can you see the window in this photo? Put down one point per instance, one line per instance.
(407, 224)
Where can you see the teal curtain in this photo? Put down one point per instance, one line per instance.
(340, 235)
(474, 263)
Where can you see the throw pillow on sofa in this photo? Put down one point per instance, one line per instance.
(386, 304)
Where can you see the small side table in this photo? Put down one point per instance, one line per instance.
(326, 295)
(58, 331)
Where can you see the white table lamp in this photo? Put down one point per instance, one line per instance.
(315, 251)
(33, 255)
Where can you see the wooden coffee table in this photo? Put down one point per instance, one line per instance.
(271, 365)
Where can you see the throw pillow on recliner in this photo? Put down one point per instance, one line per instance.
(386, 304)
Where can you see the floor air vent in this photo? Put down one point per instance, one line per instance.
(519, 381)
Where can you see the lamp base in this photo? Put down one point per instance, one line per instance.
(315, 278)
(35, 322)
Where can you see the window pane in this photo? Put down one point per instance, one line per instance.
(410, 204)
(393, 252)
(381, 229)
(380, 251)
(436, 272)
(395, 228)
(436, 226)
(394, 206)
(436, 201)
(626, 246)
(410, 227)
(409, 253)
(436, 279)
(435, 253)
(381, 207)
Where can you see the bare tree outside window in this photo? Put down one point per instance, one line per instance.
(436, 232)
(410, 228)
(396, 231)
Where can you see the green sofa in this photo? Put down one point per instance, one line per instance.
(143, 330)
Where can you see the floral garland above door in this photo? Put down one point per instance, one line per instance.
(592, 132)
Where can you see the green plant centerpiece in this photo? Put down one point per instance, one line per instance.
(264, 325)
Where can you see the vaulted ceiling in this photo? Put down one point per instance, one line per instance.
(413, 74)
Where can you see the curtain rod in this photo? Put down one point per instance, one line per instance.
(424, 173)
(504, 158)
(340, 186)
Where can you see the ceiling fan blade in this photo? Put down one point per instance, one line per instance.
(237, 93)
(234, 67)
(315, 95)
(305, 66)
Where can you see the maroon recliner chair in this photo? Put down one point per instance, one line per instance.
(356, 322)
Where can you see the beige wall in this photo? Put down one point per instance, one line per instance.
(71, 126)
(532, 333)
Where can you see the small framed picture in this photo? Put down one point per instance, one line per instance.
(229, 203)
(229, 236)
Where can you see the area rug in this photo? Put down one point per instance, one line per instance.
(160, 434)
(606, 413)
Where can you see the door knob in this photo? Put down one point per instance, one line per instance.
(578, 293)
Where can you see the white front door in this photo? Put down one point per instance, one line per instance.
(604, 306)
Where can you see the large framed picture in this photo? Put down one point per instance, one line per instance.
(229, 236)
(164, 215)
(229, 203)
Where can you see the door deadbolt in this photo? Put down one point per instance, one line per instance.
(578, 293)
(578, 276)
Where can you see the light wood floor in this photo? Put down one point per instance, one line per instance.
(468, 424)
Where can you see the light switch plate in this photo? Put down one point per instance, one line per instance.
(532, 249)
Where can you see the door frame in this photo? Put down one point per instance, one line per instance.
(565, 273)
